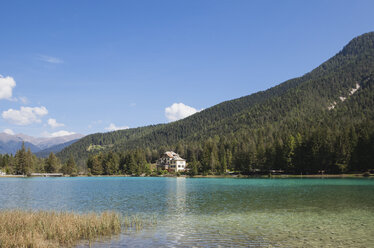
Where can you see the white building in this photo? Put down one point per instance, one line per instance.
(2, 173)
(171, 161)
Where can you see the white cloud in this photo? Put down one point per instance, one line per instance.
(179, 111)
(24, 116)
(6, 87)
(113, 127)
(8, 131)
(49, 59)
(53, 123)
(57, 134)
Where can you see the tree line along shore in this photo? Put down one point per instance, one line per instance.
(321, 152)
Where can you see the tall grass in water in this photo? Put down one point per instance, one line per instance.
(53, 229)
(137, 223)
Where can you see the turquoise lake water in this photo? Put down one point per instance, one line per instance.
(211, 212)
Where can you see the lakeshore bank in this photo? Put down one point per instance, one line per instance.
(356, 175)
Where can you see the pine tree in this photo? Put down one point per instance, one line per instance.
(131, 166)
(192, 166)
(21, 161)
(29, 161)
(70, 168)
(290, 152)
(229, 159)
(94, 164)
(52, 163)
(222, 159)
(206, 160)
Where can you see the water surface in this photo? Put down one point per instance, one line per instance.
(213, 211)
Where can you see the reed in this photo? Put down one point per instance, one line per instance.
(137, 222)
(53, 229)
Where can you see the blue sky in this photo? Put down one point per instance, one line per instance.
(94, 66)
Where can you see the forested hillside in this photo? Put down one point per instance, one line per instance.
(320, 121)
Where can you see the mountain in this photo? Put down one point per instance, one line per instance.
(55, 148)
(331, 100)
(44, 143)
(11, 143)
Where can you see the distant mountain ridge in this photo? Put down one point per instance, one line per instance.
(46, 142)
(334, 97)
(11, 143)
(55, 148)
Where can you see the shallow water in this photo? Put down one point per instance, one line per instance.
(206, 212)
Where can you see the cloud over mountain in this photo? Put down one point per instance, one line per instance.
(53, 123)
(179, 111)
(113, 127)
(8, 131)
(57, 134)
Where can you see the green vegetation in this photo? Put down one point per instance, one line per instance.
(24, 163)
(130, 163)
(92, 148)
(54, 229)
(320, 122)
(292, 126)
(69, 168)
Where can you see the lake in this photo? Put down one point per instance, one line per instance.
(206, 212)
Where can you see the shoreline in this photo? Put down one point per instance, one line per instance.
(11, 176)
(285, 176)
(219, 176)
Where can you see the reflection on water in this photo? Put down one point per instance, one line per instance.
(177, 206)
(214, 212)
(176, 197)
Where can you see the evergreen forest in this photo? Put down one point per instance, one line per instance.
(321, 122)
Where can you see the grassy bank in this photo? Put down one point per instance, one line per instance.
(54, 229)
